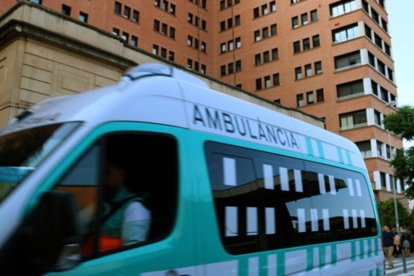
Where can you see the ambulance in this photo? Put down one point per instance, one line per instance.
(231, 188)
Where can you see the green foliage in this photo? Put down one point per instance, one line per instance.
(387, 214)
(401, 122)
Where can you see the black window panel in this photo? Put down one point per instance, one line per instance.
(350, 88)
(265, 201)
(349, 59)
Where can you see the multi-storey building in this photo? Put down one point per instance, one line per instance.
(329, 58)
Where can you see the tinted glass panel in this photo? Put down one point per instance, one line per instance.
(265, 201)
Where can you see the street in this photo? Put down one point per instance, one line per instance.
(398, 266)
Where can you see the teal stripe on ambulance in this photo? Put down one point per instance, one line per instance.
(334, 257)
(369, 247)
(309, 146)
(348, 156)
(340, 156)
(320, 148)
(353, 251)
(243, 266)
(362, 249)
(281, 261)
(309, 258)
(322, 256)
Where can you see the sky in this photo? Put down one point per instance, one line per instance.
(401, 29)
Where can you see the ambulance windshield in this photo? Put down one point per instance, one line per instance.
(21, 152)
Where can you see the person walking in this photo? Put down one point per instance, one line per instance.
(406, 245)
(397, 243)
(388, 245)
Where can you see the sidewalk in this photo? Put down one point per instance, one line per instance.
(399, 269)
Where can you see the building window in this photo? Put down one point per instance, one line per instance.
(353, 119)
(83, 17)
(115, 31)
(257, 59)
(298, 73)
(304, 18)
(66, 10)
(381, 67)
(350, 89)
(222, 70)
(295, 22)
(164, 29)
(316, 41)
(189, 63)
(375, 15)
(163, 53)
(238, 65)
(267, 82)
(172, 9)
(368, 31)
(266, 57)
(39, 2)
(135, 16)
(155, 49)
(345, 33)
(342, 7)
(310, 97)
(306, 44)
(365, 6)
(314, 15)
(371, 59)
(171, 56)
(320, 97)
(238, 42)
(276, 79)
(300, 101)
(127, 12)
(257, 36)
(308, 70)
(384, 24)
(223, 47)
(118, 8)
(258, 84)
(377, 118)
(125, 36)
(275, 54)
(256, 12)
(156, 25)
(273, 30)
(134, 41)
(318, 67)
(365, 148)
(272, 6)
(348, 60)
(296, 47)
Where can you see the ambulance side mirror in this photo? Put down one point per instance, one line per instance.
(52, 233)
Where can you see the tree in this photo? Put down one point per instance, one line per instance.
(387, 214)
(402, 124)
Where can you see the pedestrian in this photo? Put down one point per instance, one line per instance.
(406, 245)
(388, 245)
(397, 243)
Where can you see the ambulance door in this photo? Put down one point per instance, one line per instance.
(133, 218)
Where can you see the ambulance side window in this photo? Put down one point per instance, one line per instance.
(126, 188)
(265, 201)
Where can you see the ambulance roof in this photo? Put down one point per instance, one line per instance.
(161, 94)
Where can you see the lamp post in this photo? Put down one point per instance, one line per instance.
(394, 184)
